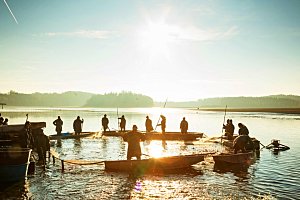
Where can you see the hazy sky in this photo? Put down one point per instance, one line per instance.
(180, 50)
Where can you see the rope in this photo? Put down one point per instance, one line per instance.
(75, 162)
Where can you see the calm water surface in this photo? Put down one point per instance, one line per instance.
(275, 176)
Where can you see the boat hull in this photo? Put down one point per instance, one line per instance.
(239, 158)
(72, 135)
(153, 164)
(159, 136)
(14, 164)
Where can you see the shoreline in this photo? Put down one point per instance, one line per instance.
(268, 110)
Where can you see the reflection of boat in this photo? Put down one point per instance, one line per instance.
(72, 135)
(154, 164)
(276, 146)
(14, 164)
(159, 136)
(238, 158)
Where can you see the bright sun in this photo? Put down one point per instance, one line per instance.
(155, 37)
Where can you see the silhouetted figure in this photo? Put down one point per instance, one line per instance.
(5, 121)
(163, 124)
(148, 124)
(58, 123)
(184, 125)
(26, 138)
(133, 138)
(243, 143)
(1, 120)
(122, 123)
(229, 129)
(243, 129)
(77, 125)
(105, 123)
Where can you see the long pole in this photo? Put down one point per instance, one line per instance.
(118, 119)
(160, 115)
(223, 123)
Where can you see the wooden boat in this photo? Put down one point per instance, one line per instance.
(20, 127)
(153, 164)
(72, 135)
(238, 158)
(14, 164)
(159, 136)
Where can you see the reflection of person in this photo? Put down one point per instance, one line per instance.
(58, 123)
(163, 124)
(122, 123)
(184, 125)
(243, 129)
(133, 138)
(77, 125)
(229, 129)
(148, 124)
(104, 122)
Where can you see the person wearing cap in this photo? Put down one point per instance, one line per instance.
(58, 123)
(133, 138)
(162, 124)
(105, 123)
(122, 123)
(148, 124)
(184, 126)
(77, 125)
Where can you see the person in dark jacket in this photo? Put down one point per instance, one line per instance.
(184, 126)
(133, 138)
(5, 121)
(122, 123)
(77, 125)
(105, 123)
(243, 143)
(229, 129)
(148, 124)
(243, 129)
(58, 123)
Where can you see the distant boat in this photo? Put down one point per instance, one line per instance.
(153, 164)
(159, 136)
(72, 135)
(14, 164)
(231, 158)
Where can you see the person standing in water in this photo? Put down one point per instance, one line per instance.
(148, 125)
(105, 123)
(133, 138)
(58, 123)
(122, 123)
(77, 125)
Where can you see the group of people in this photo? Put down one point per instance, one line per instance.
(242, 142)
(3, 121)
(77, 125)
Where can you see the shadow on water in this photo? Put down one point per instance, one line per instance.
(18, 189)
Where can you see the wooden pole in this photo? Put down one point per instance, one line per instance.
(62, 166)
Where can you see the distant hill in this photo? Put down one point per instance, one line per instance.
(273, 101)
(129, 99)
(76, 99)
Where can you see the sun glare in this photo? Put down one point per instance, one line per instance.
(155, 37)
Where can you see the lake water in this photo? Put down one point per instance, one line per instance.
(271, 176)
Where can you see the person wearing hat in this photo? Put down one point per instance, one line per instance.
(162, 124)
(77, 125)
(184, 126)
(133, 138)
(122, 123)
(148, 124)
(104, 122)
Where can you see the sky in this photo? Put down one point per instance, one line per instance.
(179, 49)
